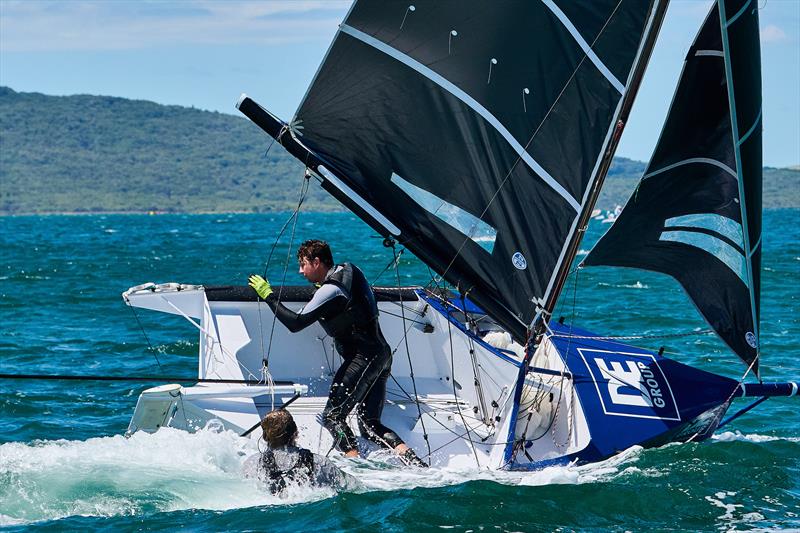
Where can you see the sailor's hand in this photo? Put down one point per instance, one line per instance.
(261, 286)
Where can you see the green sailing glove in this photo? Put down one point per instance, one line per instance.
(261, 286)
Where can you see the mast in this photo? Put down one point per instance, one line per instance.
(748, 256)
(657, 12)
(696, 214)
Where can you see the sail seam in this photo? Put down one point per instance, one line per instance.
(738, 14)
(752, 128)
(714, 53)
(584, 45)
(710, 161)
(469, 101)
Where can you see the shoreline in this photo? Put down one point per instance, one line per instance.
(225, 213)
(160, 213)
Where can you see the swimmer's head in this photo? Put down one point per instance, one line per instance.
(279, 428)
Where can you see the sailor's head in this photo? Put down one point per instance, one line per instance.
(278, 428)
(315, 260)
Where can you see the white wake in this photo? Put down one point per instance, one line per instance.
(173, 470)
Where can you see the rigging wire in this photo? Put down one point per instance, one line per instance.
(396, 258)
(69, 377)
(392, 263)
(552, 424)
(208, 336)
(304, 185)
(141, 327)
(265, 373)
(721, 412)
(475, 367)
(455, 393)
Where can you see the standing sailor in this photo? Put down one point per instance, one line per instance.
(345, 307)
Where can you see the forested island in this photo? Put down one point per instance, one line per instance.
(89, 154)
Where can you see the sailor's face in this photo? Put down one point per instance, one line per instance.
(313, 270)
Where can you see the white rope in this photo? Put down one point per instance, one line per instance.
(209, 337)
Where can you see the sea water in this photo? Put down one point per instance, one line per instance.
(65, 464)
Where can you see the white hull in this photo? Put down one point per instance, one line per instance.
(464, 387)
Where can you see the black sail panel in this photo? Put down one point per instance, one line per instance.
(744, 62)
(474, 128)
(700, 196)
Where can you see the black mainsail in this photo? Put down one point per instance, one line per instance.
(696, 215)
(474, 132)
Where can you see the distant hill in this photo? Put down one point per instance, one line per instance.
(103, 154)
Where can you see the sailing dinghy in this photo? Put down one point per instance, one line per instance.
(477, 136)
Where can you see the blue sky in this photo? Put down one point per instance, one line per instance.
(204, 53)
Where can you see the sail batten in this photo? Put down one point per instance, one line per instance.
(584, 45)
(468, 100)
(691, 160)
(697, 208)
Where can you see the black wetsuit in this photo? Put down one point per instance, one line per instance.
(291, 465)
(345, 307)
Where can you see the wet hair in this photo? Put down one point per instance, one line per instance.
(279, 428)
(316, 248)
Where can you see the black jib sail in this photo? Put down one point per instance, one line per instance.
(473, 131)
(696, 215)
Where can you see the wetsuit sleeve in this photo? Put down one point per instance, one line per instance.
(327, 301)
(327, 474)
(250, 466)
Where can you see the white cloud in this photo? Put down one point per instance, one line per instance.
(119, 25)
(772, 34)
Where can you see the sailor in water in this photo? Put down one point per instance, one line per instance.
(284, 463)
(345, 307)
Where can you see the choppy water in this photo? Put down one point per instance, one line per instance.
(64, 463)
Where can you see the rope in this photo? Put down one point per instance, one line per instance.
(730, 397)
(293, 217)
(392, 263)
(210, 337)
(265, 373)
(633, 337)
(141, 327)
(67, 377)
(475, 367)
(455, 393)
(552, 423)
(396, 259)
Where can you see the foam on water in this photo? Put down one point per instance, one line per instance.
(107, 476)
(729, 436)
(172, 470)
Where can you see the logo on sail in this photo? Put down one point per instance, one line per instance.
(751, 339)
(631, 384)
(519, 261)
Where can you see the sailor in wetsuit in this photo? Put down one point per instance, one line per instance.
(283, 462)
(345, 307)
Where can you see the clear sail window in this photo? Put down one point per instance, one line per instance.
(476, 229)
(710, 221)
(716, 247)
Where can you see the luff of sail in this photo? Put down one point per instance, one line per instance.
(696, 214)
(475, 128)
